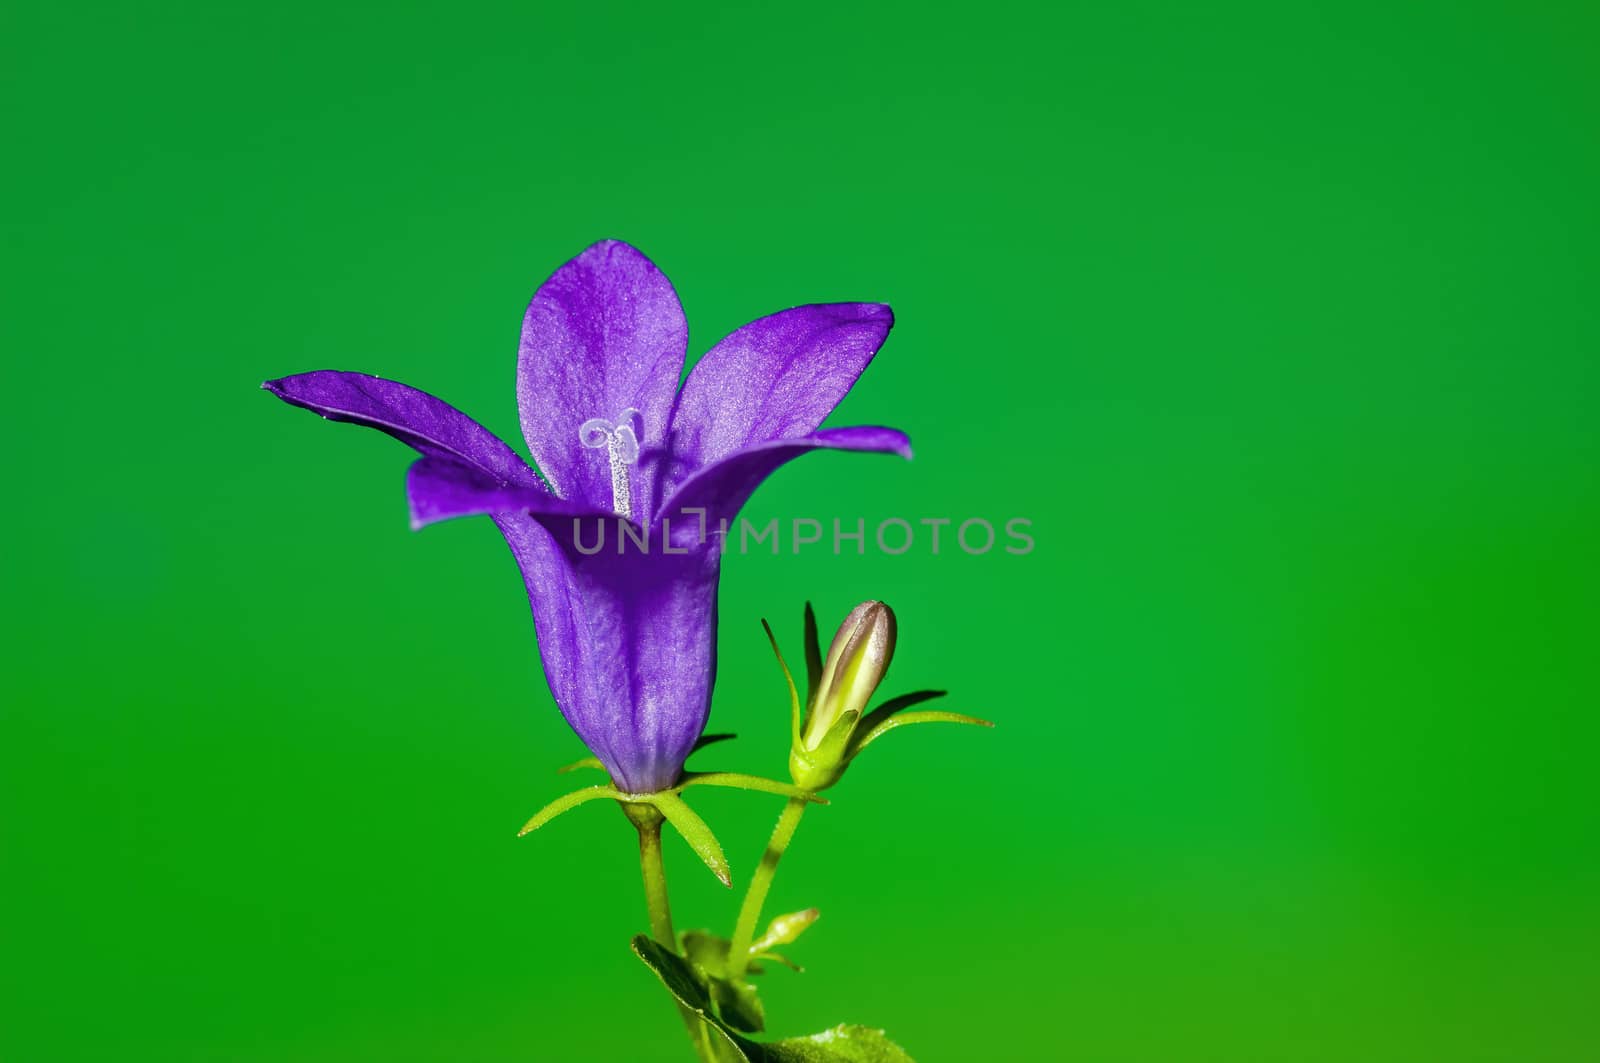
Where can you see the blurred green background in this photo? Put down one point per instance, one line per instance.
(1278, 321)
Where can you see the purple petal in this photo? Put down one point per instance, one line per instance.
(721, 489)
(604, 335)
(776, 378)
(439, 489)
(428, 425)
(628, 642)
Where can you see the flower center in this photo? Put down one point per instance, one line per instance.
(621, 440)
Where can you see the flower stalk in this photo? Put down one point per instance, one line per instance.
(744, 930)
(647, 820)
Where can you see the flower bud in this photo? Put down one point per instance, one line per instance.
(856, 663)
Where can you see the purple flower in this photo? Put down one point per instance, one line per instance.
(627, 632)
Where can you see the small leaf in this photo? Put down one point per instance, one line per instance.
(785, 929)
(695, 832)
(674, 972)
(706, 951)
(775, 957)
(739, 1005)
(679, 978)
(565, 803)
(586, 762)
(906, 718)
(736, 1002)
(740, 781)
(842, 1044)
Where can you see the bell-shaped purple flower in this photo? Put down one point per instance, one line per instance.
(619, 544)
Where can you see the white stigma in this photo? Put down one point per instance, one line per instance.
(621, 441)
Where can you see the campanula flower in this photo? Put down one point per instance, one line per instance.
(627, 628)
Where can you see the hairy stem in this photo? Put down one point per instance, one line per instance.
(744, 931)
(654, 871)
(655, 885)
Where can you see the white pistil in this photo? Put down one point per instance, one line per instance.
(621, 440)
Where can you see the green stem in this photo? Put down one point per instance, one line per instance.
(655, 885)
(744, 931)
(654, 871)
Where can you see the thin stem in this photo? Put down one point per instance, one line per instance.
(654, 871)
(744, 931)
(655, 885)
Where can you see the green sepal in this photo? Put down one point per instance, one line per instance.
(695, 832)
(813, 657)
(581, 763)
(794, 695)
(841, 1044)
(906, 718)
(739, 781)
(675, 810)
(710, 740)
(565, 803)
(820, 768)
(872, 719)
(832, 747)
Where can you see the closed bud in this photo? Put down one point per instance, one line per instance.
(856, 663)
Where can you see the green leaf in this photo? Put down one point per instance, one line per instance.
(675, 973)
(736, 1002)
(842, 1044)
(707, 951)
(738, 1005)
(775, 957)
(565, 803)
(907, 718)
(785, 929)
(679, 978)
(695, 832)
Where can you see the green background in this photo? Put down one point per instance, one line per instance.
(1278, 322)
